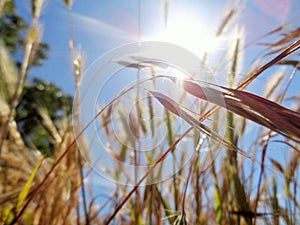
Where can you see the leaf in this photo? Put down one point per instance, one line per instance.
(24, 193)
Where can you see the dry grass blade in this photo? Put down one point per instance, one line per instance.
(175, 108)
(250, 106)
(284, 41)
(279, 117)
(49, 125)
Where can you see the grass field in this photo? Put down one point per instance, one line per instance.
(241, 134)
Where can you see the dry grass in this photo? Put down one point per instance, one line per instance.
(245, 182)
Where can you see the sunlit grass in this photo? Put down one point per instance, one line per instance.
(244, 163)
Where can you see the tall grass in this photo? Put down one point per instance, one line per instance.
(236, 178)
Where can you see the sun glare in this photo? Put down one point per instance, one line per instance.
(190, 33)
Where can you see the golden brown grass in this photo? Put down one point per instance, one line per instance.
(245, 184)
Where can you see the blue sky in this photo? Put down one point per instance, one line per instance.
(100, 26)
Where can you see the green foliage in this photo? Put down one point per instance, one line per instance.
(48, 96)
(11, 27)
(35, 94)
(13, 30)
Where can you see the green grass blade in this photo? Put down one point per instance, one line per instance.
(25, 191)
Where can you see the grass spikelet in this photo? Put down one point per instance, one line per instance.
(37, 6)
(69, 3)
(8, 78)
(229, 17)
(250, 106)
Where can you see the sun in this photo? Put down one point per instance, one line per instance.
(189, 32)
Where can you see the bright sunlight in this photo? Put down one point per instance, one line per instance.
(189, 32)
